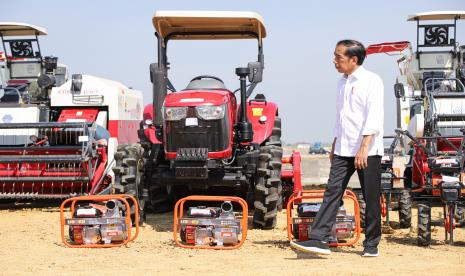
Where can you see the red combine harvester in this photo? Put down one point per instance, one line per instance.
(202, 140)
(61, 138)
(430, 96)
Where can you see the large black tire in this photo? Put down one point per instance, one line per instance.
(424, 224)
(129, 176)
(268, 186)
(405, 209)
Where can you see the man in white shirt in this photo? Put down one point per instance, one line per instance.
(357, 146)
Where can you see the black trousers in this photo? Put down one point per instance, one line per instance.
(342, 169)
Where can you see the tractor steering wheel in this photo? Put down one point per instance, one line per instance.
(207, 77)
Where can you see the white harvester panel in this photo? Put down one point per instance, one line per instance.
(18, 114)
(123, 103)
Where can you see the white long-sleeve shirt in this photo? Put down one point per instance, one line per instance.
(360, 112)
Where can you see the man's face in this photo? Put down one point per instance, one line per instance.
(343, 63)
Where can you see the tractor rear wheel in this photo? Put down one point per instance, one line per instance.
(405, 209)
(129, 176)
(268, 186)
(424, 224)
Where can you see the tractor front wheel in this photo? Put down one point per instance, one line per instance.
(129, 176)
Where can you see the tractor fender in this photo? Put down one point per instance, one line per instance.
(256, 112)
(149, 131)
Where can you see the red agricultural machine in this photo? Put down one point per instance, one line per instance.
(61, 138)
(431, 119)
(202, 140)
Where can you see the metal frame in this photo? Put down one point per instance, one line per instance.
(84, 221)
(31, 39)
(162, 58)
(422, 45)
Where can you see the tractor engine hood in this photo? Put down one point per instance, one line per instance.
(198, 97)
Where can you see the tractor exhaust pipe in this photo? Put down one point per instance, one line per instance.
(159, 79)
(244, 127)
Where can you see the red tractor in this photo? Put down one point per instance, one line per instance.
(201, 139)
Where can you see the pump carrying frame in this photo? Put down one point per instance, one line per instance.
(179, 211)
(298, 197)
(123, 198)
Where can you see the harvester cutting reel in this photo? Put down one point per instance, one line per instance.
(51, 160)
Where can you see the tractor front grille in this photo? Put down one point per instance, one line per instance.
(212, 134)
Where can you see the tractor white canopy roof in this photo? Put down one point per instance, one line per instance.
(190, 25)
(437, 15)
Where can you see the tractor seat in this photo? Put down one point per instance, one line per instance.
(205, 83)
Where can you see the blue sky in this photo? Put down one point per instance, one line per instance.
(114, 39)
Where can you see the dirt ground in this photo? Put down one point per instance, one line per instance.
(30, 244)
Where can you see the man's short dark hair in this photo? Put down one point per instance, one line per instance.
(354, 49)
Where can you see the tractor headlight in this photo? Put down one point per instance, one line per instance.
(175, 113)
(210, 112)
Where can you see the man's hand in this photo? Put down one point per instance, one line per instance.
(361, 158)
